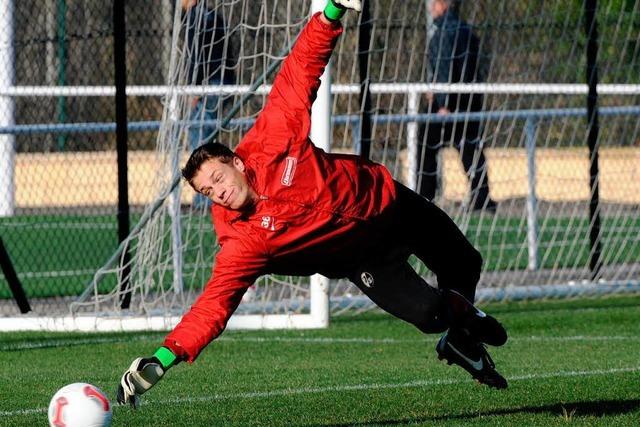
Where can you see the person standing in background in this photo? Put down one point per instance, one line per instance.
(453, 55)
(210, 63)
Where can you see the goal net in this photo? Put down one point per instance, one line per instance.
(548, 236)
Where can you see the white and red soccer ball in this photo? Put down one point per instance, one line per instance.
(79, 405)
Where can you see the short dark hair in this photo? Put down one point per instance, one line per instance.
(210, 150)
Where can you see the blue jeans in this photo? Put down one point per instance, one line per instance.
(205, 114)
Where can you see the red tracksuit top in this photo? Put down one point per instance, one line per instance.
(313, 206)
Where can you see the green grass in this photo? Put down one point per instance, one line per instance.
(562, 242)
(58, 255)
(569, 363)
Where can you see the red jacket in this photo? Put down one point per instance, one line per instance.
(314, 207)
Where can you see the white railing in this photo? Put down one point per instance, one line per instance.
(390, 88)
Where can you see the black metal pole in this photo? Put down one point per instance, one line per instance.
(591, 28)
(12, 279)
(364, 41)
(119, 60)
(61, 20)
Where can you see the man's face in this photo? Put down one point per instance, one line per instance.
(437, 8)
(188, 4)
(224, 183)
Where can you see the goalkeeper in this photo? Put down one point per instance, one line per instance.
(283, 206)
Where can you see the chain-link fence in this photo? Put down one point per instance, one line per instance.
(62, 222)
(58, 148)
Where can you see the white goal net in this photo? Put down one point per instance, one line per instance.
(548, 236)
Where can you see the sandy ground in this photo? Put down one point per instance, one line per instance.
(90, 179)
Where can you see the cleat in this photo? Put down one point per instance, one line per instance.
(481, 326)
(457, 347)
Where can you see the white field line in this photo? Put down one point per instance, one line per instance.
(55, 343)
(342, 388)
(22, 412)
(359, 387)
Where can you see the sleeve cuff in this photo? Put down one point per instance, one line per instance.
(177, 350)
(333, 26)
(166, 357)
(334, 12)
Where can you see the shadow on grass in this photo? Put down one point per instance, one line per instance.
(597, 408)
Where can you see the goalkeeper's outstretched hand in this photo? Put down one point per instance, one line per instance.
(349, 4)
(143, 374)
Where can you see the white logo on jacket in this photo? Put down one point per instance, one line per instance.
(289, 171)
(367, 279)
(268, 222)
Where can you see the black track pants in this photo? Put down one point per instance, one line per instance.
(416, 226)
(465, 137)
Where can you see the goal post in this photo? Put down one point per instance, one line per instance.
(157, 275)
(320, 135)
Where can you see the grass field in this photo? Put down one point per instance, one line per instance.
(568, 363)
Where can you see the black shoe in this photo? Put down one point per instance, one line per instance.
(457, 347)
(481, 326)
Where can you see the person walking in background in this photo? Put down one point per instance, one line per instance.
(210, 63)
(453, 55)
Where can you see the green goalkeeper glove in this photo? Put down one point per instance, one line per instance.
(143, 374)
(335, 9)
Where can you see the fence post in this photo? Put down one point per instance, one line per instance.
(7, 106)
(12, 279)
(532, 200)
(61, 108)
(595, 237)
(412, 140)
(175, 197)
(364, 41)
(122, 137)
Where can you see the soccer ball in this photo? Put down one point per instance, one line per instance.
(79, 405)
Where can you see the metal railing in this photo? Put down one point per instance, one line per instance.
(413, 91)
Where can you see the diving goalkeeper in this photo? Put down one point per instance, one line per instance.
(283, 206)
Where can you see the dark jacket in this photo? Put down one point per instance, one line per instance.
(209, 59)
(454, 57)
